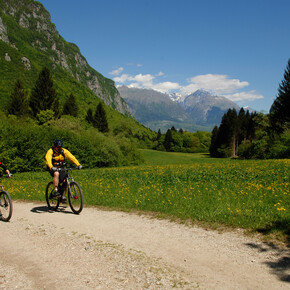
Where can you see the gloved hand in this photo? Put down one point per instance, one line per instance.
(10, 175)
(54, 169)
(79, 167)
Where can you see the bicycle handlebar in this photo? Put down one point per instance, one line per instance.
(67, 168)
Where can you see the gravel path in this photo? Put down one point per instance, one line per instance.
(115, 250)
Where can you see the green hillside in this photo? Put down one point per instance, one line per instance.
(29, 43)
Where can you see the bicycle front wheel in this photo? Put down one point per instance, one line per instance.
(75, 197)
(51, 200)
(5, 206)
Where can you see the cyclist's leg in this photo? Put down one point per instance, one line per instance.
(62, 181)
(55, 179)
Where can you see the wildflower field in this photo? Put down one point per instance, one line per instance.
(251, 194)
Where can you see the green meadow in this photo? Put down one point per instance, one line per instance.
(249, 194)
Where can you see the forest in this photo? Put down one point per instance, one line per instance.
(256, 135)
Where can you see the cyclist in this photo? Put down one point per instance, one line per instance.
(55, 160)
(5, 169)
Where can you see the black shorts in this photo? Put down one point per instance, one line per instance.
(62, 175)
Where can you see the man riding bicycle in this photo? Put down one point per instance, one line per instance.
(55, 160)
(5, 169)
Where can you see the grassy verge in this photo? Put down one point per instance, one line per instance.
(252, 194)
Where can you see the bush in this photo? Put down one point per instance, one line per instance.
(24, 144)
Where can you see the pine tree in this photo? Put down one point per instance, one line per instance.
(168, 140)
(89, 116)
(100, 119)
(213, 145)
(280, 110)
(70, 106)
(226, 140)
(44, 95)
(158, 135)
(18, 104)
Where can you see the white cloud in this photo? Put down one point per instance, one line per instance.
(219, 84)
(242, 96)
(143, 78)
(166, 87)
(116, 72)
(160, 74)
(122, 79)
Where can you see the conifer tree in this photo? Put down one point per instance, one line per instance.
(158, 135)
(89, 116)
(168, 140)
(18, 104)
(70, 106)
(213, 145)
(280, 110)
(100, 119)
(43, 96)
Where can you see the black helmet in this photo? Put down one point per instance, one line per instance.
(58, 143)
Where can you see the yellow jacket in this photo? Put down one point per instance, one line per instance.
(52, 157)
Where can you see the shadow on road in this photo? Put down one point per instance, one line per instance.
(43, 209)
(280, 264)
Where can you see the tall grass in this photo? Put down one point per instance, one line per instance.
(248, 194)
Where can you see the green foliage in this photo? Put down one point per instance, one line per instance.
(43, 96)
(89, 116)
(182, 141)
(100, 119)
(280, 110)
(18, 104)
(70, 106)
(168, 140)
(23, 144)
(44, 116)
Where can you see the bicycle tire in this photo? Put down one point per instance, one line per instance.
(52, 202)
(6, 207)
(75, 197)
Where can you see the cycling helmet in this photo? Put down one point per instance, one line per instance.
(58, 143)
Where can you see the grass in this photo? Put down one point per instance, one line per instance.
(252, 194)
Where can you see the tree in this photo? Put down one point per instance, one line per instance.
(213, 149)
(70, 106)
(158, 135)
(89, 116)
(100, 119)
(280, 109)
(44, 96)
(18, 104)
(168, 140)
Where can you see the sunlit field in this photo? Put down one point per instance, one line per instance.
(248, 194)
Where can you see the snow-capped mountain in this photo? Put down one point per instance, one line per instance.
(197, 111)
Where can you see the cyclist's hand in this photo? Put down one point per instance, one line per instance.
(79, 167)
(53, 169)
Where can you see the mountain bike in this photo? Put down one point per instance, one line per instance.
(6, 207)
(68, 187)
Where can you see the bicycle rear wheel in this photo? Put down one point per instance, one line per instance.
(5, 206)
(51, 200)
(75, 197)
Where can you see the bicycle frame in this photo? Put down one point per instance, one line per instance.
(67, 187)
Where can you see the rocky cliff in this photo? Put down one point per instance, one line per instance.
(25, 26)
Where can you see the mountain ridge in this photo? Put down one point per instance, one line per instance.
(197, 111)
(28, 38)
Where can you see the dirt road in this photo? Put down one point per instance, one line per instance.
(115, 250)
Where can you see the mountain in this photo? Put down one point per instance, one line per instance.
(29, 41)
(206, 109)
(156, 110)
(197, 111)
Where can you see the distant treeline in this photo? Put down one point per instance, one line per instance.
(255, 135)
(182, 141)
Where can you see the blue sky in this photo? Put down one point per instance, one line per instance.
(235, 48)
